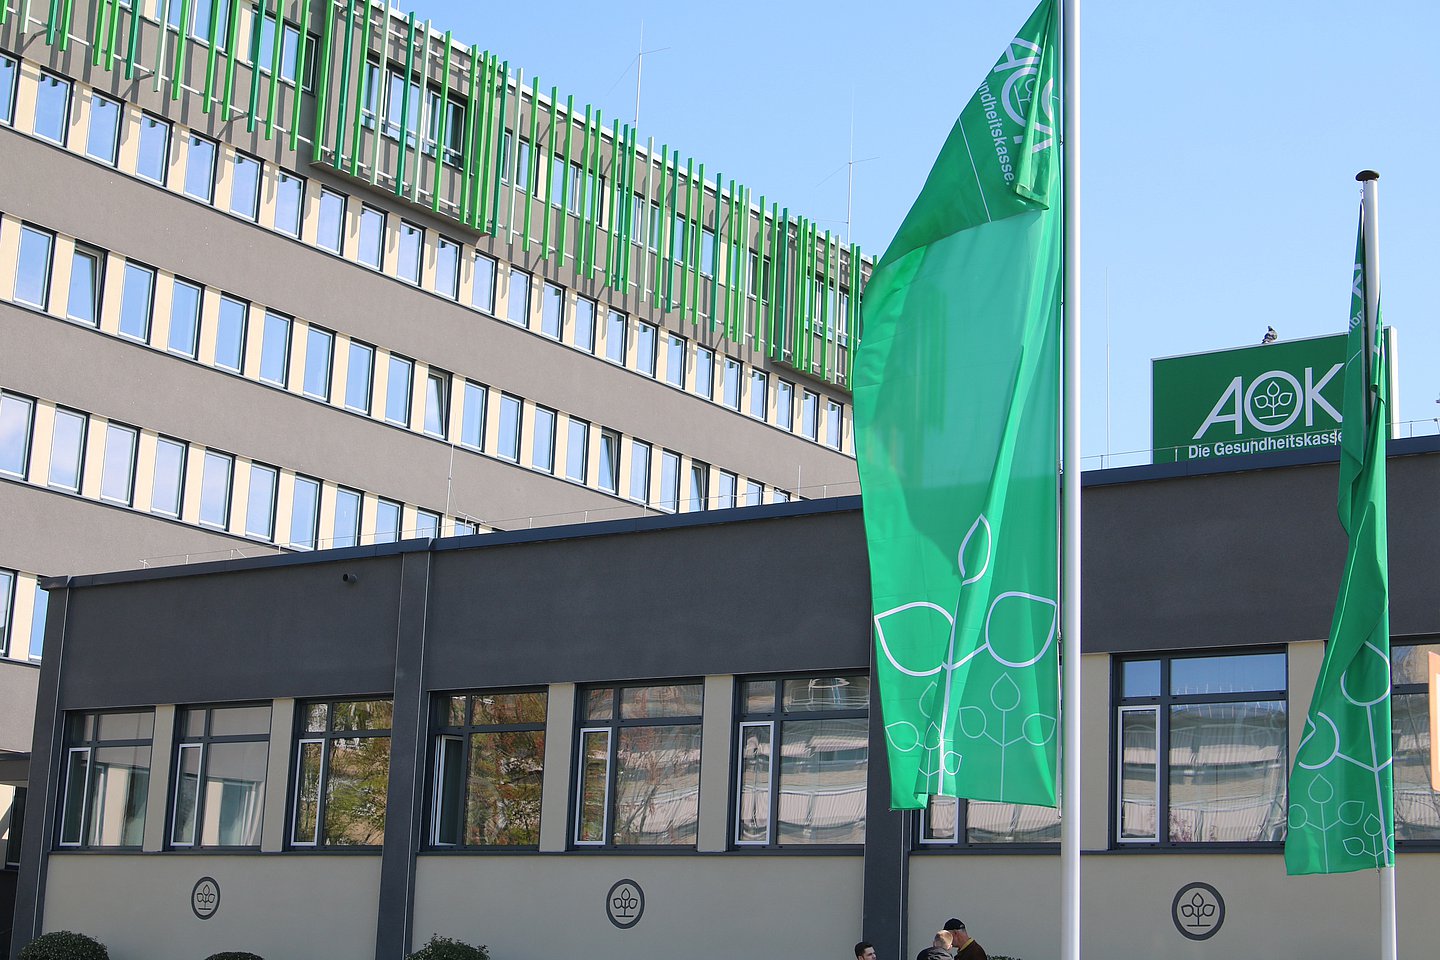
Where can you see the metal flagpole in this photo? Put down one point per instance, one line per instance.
(1369, 204)
(1070, 487)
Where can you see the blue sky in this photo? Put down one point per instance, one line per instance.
(1220, 141)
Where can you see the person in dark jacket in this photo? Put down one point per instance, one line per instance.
(965, 946)
(939, 949)
(864, 950)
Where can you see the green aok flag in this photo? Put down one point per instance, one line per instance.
(1342, 793)
(957, 431)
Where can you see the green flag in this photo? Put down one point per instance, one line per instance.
(1342, 793)
(957, 431)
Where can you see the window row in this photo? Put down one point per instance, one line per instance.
(76, 452)
(216, 174)
(22, 615)
(198, 323)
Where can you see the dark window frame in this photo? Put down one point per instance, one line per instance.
(204, 740)
(302, 736)
(90, 744)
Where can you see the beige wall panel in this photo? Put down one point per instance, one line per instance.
(276, 906)
(555, 793)
(161, 750)
(1095, 733)
(775, 906)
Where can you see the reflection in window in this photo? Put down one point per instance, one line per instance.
(482, 294)
(675, 361)
(319, 347)
(427, 524)
(330, 232)
(260, 510)
(359, 375)
(585, 324)
(489, 766)
(342, 774)
(117, 476)
(1417, 804)
(154, 157)
(669, 481)
(833, 423)
(9, 71)
(245, 187)
(754, 493)
(397, 390)
(17, 418)
(387, 521)
(305, 514)
(758, 386)
(730, 391)
(185, 319)
(52, 108)
(645, 741)
(615, 338)
(106, 779)
(347, 518)
(87, 277)
(727, 484)
(67, 450)
(372, 236)
(519, 308)
(275, 350)
(200, 168)
(818, 727)
(32, 277)
(510, 410)
(215, 489)
(447, 268)
(704, 371)
(784, 405)
(412, 242)
(542, 455)
(810, 414)
(639, 471)
(609, 479)
(552, 311)
(218, 794)
(137, 300)
(699, 487)
(168, 486)
(646, 347)
(472, 417)
(289, 202)
(103, 140)
(437, 403)
(577, 448)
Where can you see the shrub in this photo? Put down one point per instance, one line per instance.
(234, 955)
(64, 945)
(443, 948)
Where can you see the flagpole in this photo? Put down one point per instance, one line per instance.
(1369, 205)
(1070, 492)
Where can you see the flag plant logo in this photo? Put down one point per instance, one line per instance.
(1276, 396)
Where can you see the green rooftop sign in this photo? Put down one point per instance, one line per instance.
(1276, 396)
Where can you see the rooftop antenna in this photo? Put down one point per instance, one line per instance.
(640, 69)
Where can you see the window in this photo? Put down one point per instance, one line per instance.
(39, 613)
(637, 770)
(463, 528)
(359, 376)
(669, 481)
(67, 450)
(107, 779)
(262, 46)
(699, 487)
(87, 276)
(230, 334)
(759, 384)
(218, 794)
(372, 93)
(200, 168)
(615, 338)
(8, 74)
(472, 417)
(785, 405)
(453, 149)
(412, 243)
(519, 307)
(655, 221)
(168, 488)
(1417, 806)
(17, 418)
(958, 823)
(810, 414)
(154, 158)
(347, 518)
(707, 251)
(542, 455)
(639, 471)
(342, 773)
(245, 187)
(677, 239)
(275, 349)
(289, 202)
(260, 510)
(781, 496)
(387, 521)
(117, 477)
(609, 479)
(200, 19)
(32, 275)
(103, 140)
(577, 449)
(52, 108)
(215, 489)
(331, 230)
(372, 236)
(7, 603)
(305, 514)
(396, 103)
(704, 371)
(522, 166)
(646, 345)
(675, 361)
(397, 390)
(834, 423)
(427, 524)
(482, 294)
(552, 311)
(185, 319)
(319, 348)
(489, 766)
(818, 727)
(1201, 749)
(437, 403)
(447, 268)
(585, 324)
(510, 412)
(754, 493)
(16, 837)
(730, 384)
(726, 487)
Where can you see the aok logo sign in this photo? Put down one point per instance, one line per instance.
(1272, 402)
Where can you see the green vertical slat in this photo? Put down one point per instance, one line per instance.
(404, 139)
(684, 263)
(131, 45)
(853, 324)
(182, 45)
(484, 147)
(531, 171)
(807, 268)
(549, 178)
(802, 289)
(52, 22)
(503, 79)
(277, 46)
(362, 80)
(230, 51)
(583, 224)
(97, 36)
(65, 21)
(211, 55)
(322, 101)
(112, 33)
(304, 48)
(787, 327)
(565, 177)
(163, 10)
(255, 32)
(444, 116)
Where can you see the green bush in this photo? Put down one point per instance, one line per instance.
(443, 948)
(64, 945)
(234, 955)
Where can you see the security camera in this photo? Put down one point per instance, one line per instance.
(350, 577)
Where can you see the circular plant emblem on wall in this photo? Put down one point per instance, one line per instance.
(625, 903)
(205, 898)
(1198, 911)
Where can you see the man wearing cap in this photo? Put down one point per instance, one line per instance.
(966, 947)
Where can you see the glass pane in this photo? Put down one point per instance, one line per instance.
(397, 391)
(436, 415)
(609, 462)
(332, 221)
(427, 524)
(215, 490)
(372, 235)
(1417, 804)
(657, 785)
(585, 324)
(357, 777)
(757, 394)
(66, 449)
(1230, 674)
(317, 718)
(472, 422)
(826, 693)
(599, 704)
(357, 377)
(184, 319)
(503, 791)
(594, 775)
(230, 335)
(154, 149)
(942, 817)
(1140, 678)
(318, 346)
(757, 696)
(669, 481)
(785, 405)
(675, 362)
(1227, 772)
(347, 519)
(454, 711)
(542, 454)
(192, 722)
(234, 792)
(615, 337)
(411, 240)
(752, 815)
(289, 199)
(8, 73)
(187, 796)
(822, 781)
(275, 350)
(72, 817)
(704, 371)
(305, 513)
(645, 348)
(509, 428)
(245, 187)
(52, 108)
(117, 479)
(449, 760)
(482, 295)
(577, 446)
(668, 700)
(200, 169)
(126, 726)
(307, 792)
(1139, 763)
(119, 786)
(552, 306)
(361, 715)
(1411, 663)
(519, 311)
(15, 417)
(508, 708)
(1011, 823)
(640, 471)
(169, 477)
(84, 301)
(32, 278)
(447, 269)
(240, 721)
(732, 384)
(387, 522)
